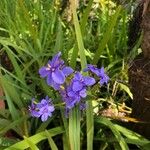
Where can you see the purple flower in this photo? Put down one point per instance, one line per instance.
(80, 81)
(76, 95)
(33, 109)
(99, 72)
(69, 101)
(42, 109)
(55, 71)
(104, 76)
(76, 90)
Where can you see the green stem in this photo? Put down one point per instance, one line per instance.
(25, 124)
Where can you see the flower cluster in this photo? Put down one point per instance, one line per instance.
(73, 89)
(43, 109)
(76, 90)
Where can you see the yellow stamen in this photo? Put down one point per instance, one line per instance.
(62, 87)
(48, 67)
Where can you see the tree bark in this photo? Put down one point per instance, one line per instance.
(139, 78)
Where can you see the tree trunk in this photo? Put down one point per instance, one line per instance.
(139, 78)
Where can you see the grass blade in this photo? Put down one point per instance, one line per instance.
(116, 133)
(106, 36)
(51, 141)
(83, 25)
(36, 138)
(31, 144)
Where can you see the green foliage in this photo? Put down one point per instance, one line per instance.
(31, 32)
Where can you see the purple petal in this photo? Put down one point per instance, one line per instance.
(49, 80)
(102, 71)
(42, 103)
(104, 79)
(93, 69)
(58, 77)
(67, 71)
(44, 117)
(77, 98)
(51, 109)
(71, 94)
(70, 103)
(56, 57)
(83, 93)
(78, 76)
(56, 61)
(51, 83)
(43, 72)
(56, 86)
(77, 86)
(101, 82)
(103, 76)
(89, 81)
(35, 113)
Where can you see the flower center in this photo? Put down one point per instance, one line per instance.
(62, 87)
(53, 69)
(48, 67)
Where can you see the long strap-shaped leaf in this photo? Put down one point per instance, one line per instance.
(83, 25)
(74, 120)
(74, 129)
(78, 34)
(106, 35)
(74, 117)
(36, 138)
(116, 133)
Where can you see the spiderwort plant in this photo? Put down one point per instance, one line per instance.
(73, 89)
(76, 90)
(42, 109)
(55, 71)
(78, 86)
(99, 72)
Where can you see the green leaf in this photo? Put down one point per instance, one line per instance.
(116, 133)
(83, 27)
(13, 111)
(106, 36)
(126, 89)
(74, 128)
(36, 138)
(13, 58)
(31, 144)
(133, 138)
(51, 141)
(13, 125)
(59, 38)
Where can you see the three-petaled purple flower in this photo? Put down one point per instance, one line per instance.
(55, 71)
(76, 90)
(42, 109)
(99, 72)
(33, 109)
(69, 101)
